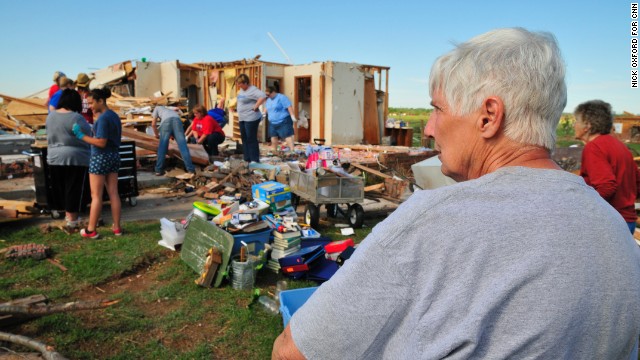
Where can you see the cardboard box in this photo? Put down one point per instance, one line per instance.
(271, 192)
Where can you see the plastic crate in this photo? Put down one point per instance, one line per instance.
(292, 300)
(255, 241)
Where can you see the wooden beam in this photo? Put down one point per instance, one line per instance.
(386, 97)
(198, 154)
(322, 92)
(24, 101)
(371, 171)
(373, 187)
(372, 148)
(6, 122)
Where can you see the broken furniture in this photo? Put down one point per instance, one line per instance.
(200, 238)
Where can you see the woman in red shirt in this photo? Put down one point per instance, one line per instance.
(205, 130)
(607, 163)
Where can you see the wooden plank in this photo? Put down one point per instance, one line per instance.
(373, 187)
(322, 104)
(37, 102)
(17, 108)
(198, 154)
(10, 124)
(375, 148)
(371, 171)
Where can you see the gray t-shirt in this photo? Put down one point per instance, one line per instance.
(247, 99)
(163, 113)
(520, 263)
(63, 147)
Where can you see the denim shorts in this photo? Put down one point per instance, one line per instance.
(282, 129)
(105, 163)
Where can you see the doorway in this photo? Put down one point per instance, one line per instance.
(302, 106)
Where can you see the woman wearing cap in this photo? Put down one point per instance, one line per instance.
(56, 85)
(82, 83)
(104, 163)
(281, 118)
(68, 157)
(249, 100)
(206, 131)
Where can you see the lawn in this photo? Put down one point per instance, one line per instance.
(161, 313)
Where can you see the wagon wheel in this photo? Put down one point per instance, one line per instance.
(355, 215)
(312, 215)
(332, 210)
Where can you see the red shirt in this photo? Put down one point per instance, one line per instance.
(52, 90)
(206, 125)
(87, 111)
(608, 166)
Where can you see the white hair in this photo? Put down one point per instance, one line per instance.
(523, 68)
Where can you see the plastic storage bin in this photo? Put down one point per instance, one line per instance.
(255, 241)
(292, 300)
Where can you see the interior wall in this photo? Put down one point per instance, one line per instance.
(148, 78)
(170, 78)
(344, 118)
(313, 70)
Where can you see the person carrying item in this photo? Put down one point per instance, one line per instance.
(249, 100)
(68, 158)
(505, 264)
(104, 162)
(206, 131)
(170, 125)
(281, 118)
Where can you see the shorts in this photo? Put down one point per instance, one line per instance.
(282, 129)
(105, 163)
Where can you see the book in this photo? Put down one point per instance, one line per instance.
(286, 235)
(283, 245)
(278, 253)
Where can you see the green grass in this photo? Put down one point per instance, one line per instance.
(169, 318)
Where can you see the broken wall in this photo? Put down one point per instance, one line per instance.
(152, 77)
(313, 106)
(345, 89)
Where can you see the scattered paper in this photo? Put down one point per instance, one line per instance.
(347, 231)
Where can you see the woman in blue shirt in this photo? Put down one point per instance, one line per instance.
(104, 162)
(281, 118)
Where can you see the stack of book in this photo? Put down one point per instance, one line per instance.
(284, 244)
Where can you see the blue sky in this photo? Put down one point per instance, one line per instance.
(40, 37)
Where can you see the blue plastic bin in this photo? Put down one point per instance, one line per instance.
(292, 300)
(255, 241)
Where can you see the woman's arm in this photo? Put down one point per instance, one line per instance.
(77, 131)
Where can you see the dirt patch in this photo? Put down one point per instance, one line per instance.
(144, 280)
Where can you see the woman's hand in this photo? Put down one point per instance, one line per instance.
(77, 131)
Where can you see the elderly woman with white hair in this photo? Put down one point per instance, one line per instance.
(519, 260)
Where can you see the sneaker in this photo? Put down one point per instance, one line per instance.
(158, 174)
(86, 234)
(118, 232)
